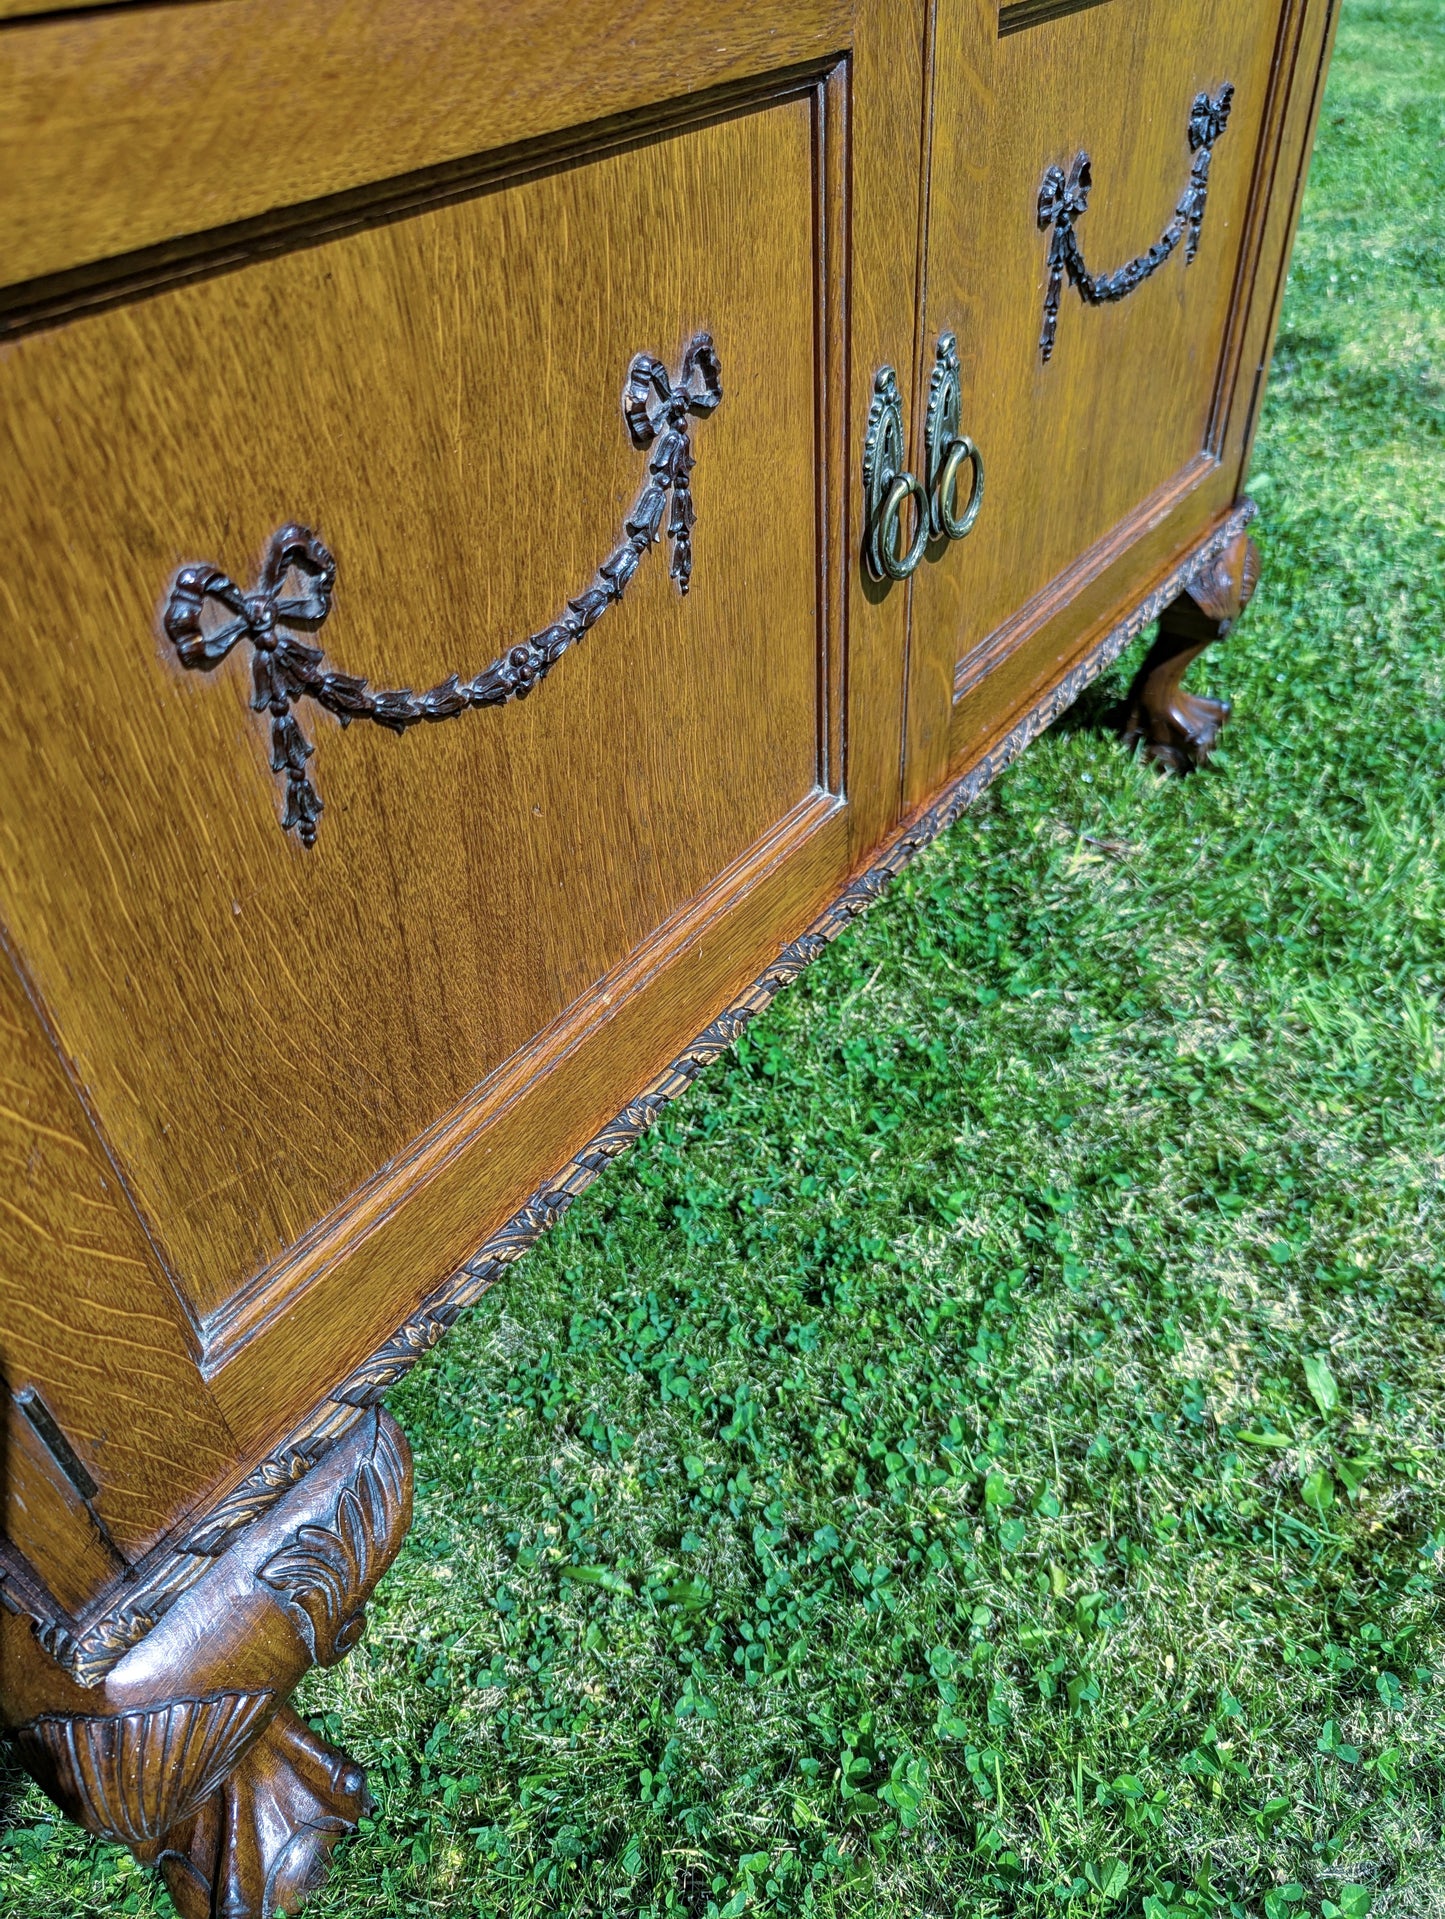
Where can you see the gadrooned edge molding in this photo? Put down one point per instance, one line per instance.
(89, 1647)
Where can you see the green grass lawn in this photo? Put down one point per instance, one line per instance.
(984, 1452)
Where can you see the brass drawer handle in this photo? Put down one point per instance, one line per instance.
(1064, 200)
(946, 449)
(207, 614)
(887, 484)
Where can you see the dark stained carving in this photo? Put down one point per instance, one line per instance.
(134, 1775)
(260, 1844)
(207, 614)
(186, 1750)
(326, 1572)
(1175, 729)
(1064, 200)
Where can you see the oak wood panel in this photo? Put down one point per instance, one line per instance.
(122, 130)
(88, 1322)
(865, 316)
(349, 1306)
(1074, 445)
(261, 1026)
(457, 1140)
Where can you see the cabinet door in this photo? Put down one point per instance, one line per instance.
(384, 327)
(1112, 185)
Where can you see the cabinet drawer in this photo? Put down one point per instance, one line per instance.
(263, 1024)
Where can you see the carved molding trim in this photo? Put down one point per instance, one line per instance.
(1016, 16)
(89, 1650)
(207, 615)
(1064, 200)
(134, 1775)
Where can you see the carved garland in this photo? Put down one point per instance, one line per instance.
(89, 1649)
(207, 614)
(1063, 201)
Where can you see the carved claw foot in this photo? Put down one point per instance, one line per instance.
(187, 1751)
(261, 1841)
(1178, 730)
(1182, 735)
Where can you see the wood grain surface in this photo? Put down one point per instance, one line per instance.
(126, 128)
(86, 1322)
(265, 1026)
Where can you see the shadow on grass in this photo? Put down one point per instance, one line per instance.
(1098, 709)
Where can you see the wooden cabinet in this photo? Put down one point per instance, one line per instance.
(457, 659)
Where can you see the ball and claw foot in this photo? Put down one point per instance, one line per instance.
(1177, 730)
(186, 1749)
(261, 1842)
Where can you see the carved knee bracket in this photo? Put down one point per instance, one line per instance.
(1175, 729)
(187, 1752)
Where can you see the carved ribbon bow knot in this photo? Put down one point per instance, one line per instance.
(1065, 198)
(656, 409)
(283, 666)
(1208, 118)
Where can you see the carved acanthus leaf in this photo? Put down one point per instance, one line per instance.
(327, 1572)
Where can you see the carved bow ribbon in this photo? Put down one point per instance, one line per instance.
(1207, 121)
(1064, 200)
(1208, 118)
(283, 666)
(656, 409)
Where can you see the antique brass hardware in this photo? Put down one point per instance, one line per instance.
(285, 669)
(887, 484)
(946, 450)
(963, 451)
(1064, 200)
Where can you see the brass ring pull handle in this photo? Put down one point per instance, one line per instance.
(946, 449)
(945, 499)
(207, 614)
(887, 484)
(903, 486)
